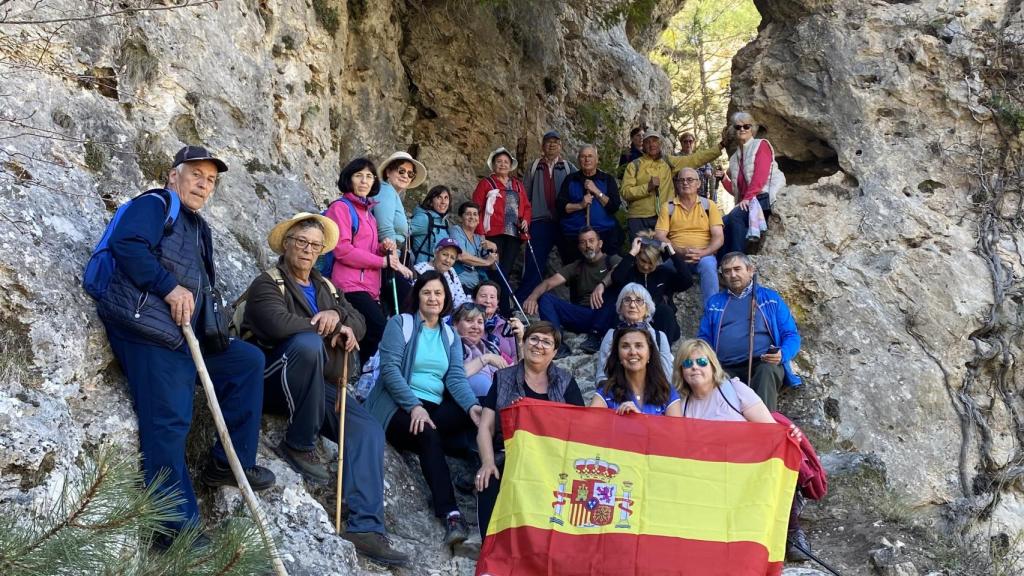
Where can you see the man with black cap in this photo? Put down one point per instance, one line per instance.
(164, 264)
(543, 179)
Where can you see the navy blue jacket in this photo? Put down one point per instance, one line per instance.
(602, 218)
(149, 265)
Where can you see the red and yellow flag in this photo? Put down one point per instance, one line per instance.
(588, 492)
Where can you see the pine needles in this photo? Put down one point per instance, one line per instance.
(104, 524)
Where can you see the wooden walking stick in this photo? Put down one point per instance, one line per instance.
(588, 215)
(339, 406)
(229, 449)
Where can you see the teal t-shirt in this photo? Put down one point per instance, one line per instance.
(429, 366)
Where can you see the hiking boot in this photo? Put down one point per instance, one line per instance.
(162, 542)
(305, 463)
(563, 351)
(796, 543)
(376, 547)
(216, 474)
(455, 531)
(592, 343)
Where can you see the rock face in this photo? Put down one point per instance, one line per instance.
(903, 266)
(286, 93)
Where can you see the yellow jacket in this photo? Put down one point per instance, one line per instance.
(642, 203)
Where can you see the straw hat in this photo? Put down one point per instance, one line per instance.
(421, 170)
(501, 150)
(277, 234)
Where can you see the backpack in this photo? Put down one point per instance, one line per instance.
(325, 263)
(370, 373)
(100, 268)
(703, 202)
(812, 481)
(235, 326)
(427, 240)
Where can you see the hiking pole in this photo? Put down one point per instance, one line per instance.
(512, 294)
(394, 285)
(540, 271)
(229, 449)
(815, 558)
(339, 406)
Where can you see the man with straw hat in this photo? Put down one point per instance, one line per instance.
(163, 266)
(306, 327)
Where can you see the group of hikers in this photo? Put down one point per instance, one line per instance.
(426, 308)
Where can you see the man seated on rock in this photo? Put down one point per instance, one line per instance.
(589, 197)
(762, 361)
(588, 312)
(693, 225)
(156, 288)
(647, 183)
(305, 327)
(446, 254)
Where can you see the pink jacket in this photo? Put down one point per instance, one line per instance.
(357, 262)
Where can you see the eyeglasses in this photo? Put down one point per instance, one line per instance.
(687, 180)
(361, 176)
(404, 172)
(633, 301)
(540, 342)
(739, 127)
(302, 244)
(702, 362)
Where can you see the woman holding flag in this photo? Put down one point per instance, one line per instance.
(535, 377)
(635, 380)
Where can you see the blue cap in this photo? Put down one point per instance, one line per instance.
(551, 134)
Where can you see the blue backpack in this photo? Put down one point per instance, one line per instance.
(100, 268)
(325, 263)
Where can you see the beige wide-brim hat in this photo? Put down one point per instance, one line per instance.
(502, 150)
(277, 234)
(421, 170)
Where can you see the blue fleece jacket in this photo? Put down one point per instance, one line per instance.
(776, 314)
(390, 214)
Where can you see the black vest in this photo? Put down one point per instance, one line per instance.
(146, 315)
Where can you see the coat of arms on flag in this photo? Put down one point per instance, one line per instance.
(590, 492)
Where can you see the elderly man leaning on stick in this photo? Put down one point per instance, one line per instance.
(164, 267)
(305, 327)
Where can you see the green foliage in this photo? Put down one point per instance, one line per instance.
(636, 13)
(104, 523)
(95, 156)
(327, 16)
(696, 52)
(599, 125)
(978, 556)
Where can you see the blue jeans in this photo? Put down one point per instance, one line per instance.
(295, 386)
(576, 318)
(543, 234)
(707, 269)
(163, 382)
(736, 224)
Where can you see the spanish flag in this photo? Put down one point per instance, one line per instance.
(589, 492)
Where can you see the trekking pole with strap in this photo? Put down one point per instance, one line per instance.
(526, 318)
(816, 559)
(339, 407)
(229, 449)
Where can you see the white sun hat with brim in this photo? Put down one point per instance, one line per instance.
(501, 150)
(399, 157)
(277, 235)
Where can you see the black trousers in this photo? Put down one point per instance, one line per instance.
(375, 321)
(767, 380)
(452, 422)
(486, 500)
(508, 253)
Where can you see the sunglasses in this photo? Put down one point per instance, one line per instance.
(739, 127)
(466, 307)
(702, 362)
(404, 172)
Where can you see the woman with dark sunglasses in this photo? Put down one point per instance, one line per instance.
(479, 359)
(635, 380)
(753, 177)
(709, 394)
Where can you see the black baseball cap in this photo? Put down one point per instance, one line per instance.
(195, 154)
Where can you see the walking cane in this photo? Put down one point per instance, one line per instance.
(588, 215)
(339, 406)
(229, 449)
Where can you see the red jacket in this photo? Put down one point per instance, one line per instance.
(496, 221)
